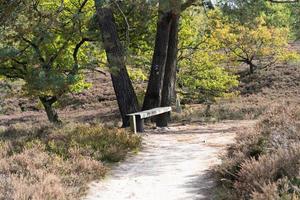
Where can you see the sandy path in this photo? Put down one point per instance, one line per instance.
(173, 165)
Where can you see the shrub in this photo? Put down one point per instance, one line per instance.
(49, 162)
(95, 141)
(265, 160)
(255, 175)
(240, 108)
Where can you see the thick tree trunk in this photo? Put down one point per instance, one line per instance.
(124, 91)
(153, 94)
(48, 105)
(168, 91)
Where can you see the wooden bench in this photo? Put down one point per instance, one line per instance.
(137, 119)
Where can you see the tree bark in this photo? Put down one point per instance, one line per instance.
(124, 90)
(252, 67)
(153, 93)
(48, 105)
(169, 83)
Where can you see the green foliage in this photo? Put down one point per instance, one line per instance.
(276, 14)
(295, 19)
(39, 45)
(205, 78)
(202, 75)
(136, 20)
(256, 43)
(137, 74)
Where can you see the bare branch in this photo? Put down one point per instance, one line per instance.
(100, 71)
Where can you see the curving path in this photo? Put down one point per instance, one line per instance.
(174, 164)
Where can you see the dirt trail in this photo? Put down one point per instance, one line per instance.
(173, 165)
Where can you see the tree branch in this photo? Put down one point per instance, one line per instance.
(100, 71)
(75, 52)
(53, 57)
(82, 6)
(36, 48)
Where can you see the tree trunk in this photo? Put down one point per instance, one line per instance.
(207, 110)
(124, 91)
(51, 113)
(169, 84)
(153, 94)
(252, 67)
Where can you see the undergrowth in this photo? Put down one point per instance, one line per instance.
(229, 109)
(48, 162)
(264, 162)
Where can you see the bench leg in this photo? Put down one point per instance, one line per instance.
(136, 124)
(139, 124)
(133, 123)
(163, 119)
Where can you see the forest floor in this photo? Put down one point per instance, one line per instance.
(174, 163)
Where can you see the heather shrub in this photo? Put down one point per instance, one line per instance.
(32, 174)
(95, 141)
(264, 163)
(49, 162)
(270, 168)
(225, 109)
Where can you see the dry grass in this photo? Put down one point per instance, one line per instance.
(265, 161)
(48, 162)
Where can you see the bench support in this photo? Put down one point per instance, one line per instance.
(163, 119)
(137, 118)
(136, 123)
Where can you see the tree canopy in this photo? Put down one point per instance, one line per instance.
(45, 44)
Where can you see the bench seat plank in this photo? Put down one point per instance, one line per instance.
(152, 112)
(137, 119)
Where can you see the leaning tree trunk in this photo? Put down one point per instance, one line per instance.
(153, 94)
(48, 105)
(124, 91)
(168, 91)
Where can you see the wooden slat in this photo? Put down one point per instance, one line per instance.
(151, 112)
